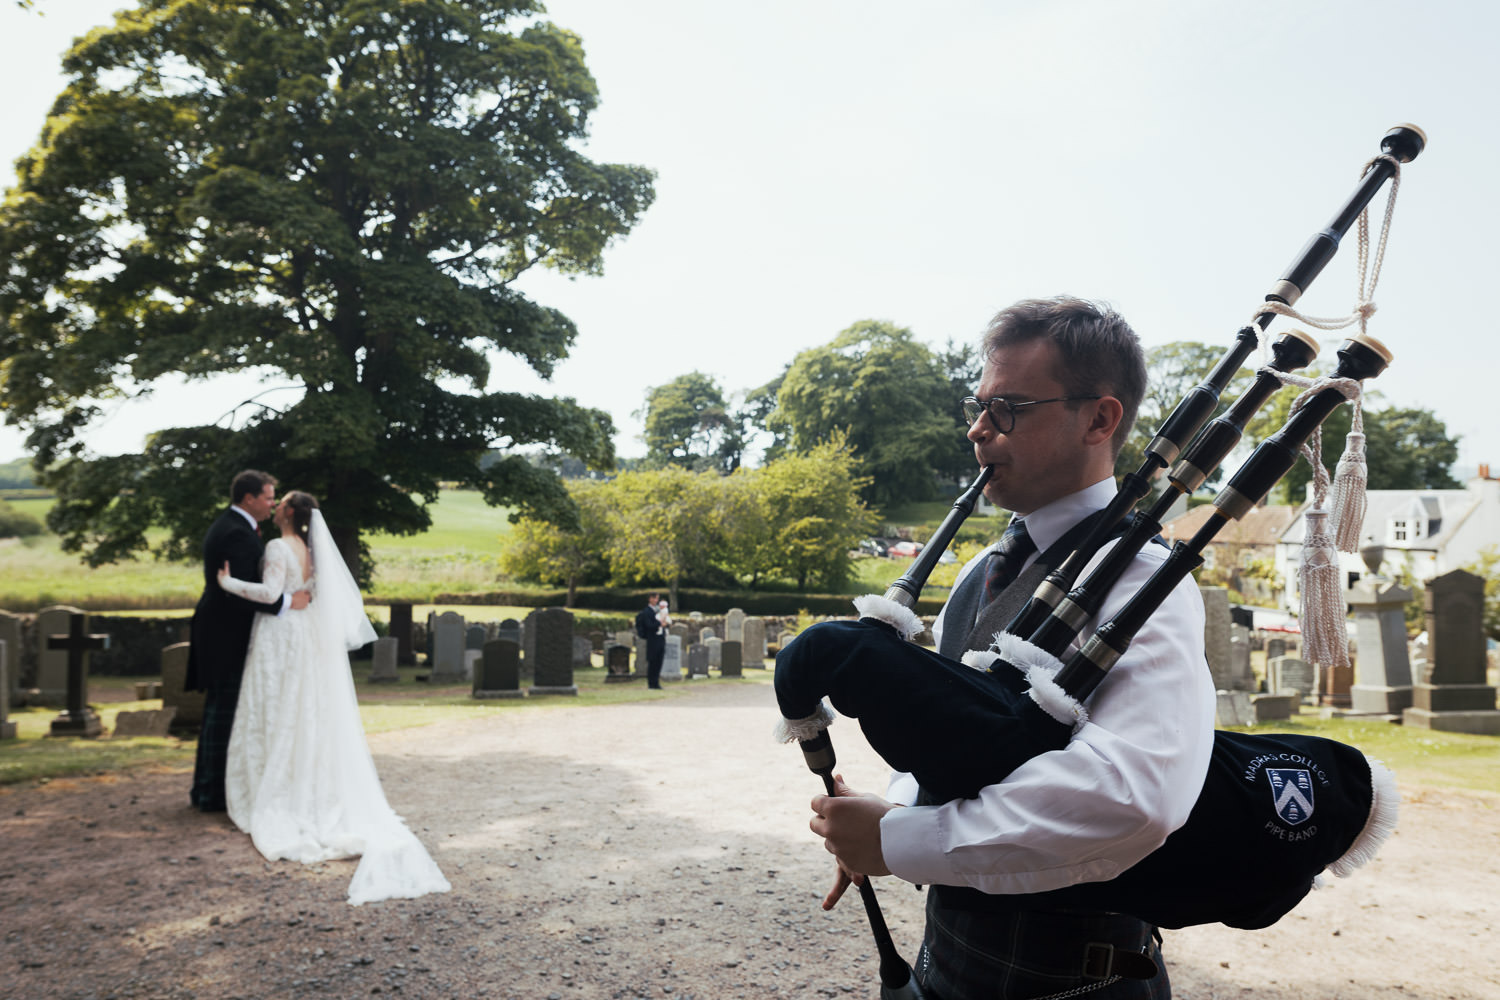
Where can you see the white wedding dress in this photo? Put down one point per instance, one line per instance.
(300, 779)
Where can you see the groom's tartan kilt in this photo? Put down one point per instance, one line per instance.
(213, 747)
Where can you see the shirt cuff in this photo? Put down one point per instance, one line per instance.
(910, 842)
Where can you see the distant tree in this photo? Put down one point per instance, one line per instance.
(755, 415)
(16, 475)
(340, 192)
(1171, 371)
(963, 364)
(689, 424)
(664, 526)
(888, 391)
(549, 553)
(17, 524)
(1487, 566)
(817, 515)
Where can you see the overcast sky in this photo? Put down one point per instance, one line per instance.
(825, 161)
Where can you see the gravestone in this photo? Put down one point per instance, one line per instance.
(617, 663)
(734, 626)
(384, 657)
(596, 640)
(1241, 674)
(715, 647)
(1290, 675)
(7, 728)
(583, 652)
(1273, 707)
(1275, 646)
(705, 634)
(679, 630)
(10, 634)
(147, 690)
(189, 704)
(448, 648)
(498, 672)
(474, 637)
(642, 668)
(400, 630)
(509, 629)
(528, 644)
(1453, 695)
(77, 719)
(697, 660)
(729, 659)
(553, 669)
(671, 660)
(695, 617)
(51, 688)
(148, 722)
(1216, 640)
(755, 643)
(1234, 709)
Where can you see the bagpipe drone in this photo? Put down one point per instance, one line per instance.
(1276, 811)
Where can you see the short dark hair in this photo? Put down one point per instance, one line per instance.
(252, 482)
(1097, 351)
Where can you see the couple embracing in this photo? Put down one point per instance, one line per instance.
(282, 748)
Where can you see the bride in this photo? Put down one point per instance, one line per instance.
(300, 779)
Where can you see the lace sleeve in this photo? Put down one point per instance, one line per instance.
(273, 576)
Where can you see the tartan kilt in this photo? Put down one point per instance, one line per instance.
(212, 760)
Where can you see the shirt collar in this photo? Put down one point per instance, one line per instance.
(1048, 523)
(242, 512)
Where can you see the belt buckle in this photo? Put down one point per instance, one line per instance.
(1098, 960)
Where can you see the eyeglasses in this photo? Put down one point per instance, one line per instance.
(1003, 412)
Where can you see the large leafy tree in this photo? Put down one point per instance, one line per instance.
(888, 392)
(688, 423)
(545, 551)
(665, 526)
(817, 516)
(339, 193)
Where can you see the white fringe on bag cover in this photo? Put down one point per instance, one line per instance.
(903, 619)
(1040, 668)
(788, 730)
(1385, 806)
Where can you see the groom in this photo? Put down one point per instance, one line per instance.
(221, 626)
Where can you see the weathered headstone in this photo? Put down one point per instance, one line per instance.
(734, 625)
(448, 648)
(77, 718)
(51, 687)
(755, 643)
(383, 660)
(697, 660)
(1216, 637)
(1454, 696)
(1273, 707)
(1234, 709)
(671, 660)
(7, 728)
(189, 704)
(147, 722)
(715, 647)
(509, 629)
(1241, 674)
(1275, 646)
(679, 630)
(695, 616)
(642, 668)
(583, 652)
(596, 640)
(400, 630)
(1290, 675)
(528, 644)
(553, 670)
(10, 634)
(705, 634)
(474, 637)
(617, 663)
(498, 672)
(729, 659)
(147, 690)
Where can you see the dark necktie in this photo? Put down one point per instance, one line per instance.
(1006, 562)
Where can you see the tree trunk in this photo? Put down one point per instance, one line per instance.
(572, 591)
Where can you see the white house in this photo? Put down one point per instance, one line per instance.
(1429, 532)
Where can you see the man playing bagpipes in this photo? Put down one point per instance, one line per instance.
(1061, 384)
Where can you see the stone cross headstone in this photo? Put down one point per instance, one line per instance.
(1290, 675)
(400, 630)
(10, 634)
(671, 661)
(7, 728)
(51, 687)
(697, 660)
(147, 722)
(617, 664)
(498, 673)
(729, 659)
(553, 670)
(189, 704)
(1453, 695)
(77, 719)
(755, 643)
(448, 648)
(715, 647)
(384, 657)
(734, 626)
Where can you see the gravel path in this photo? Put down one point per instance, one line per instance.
(654, 849)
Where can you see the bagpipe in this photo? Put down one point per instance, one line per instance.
(1276, 811)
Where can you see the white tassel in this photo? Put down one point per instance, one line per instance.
(1324, 639)
(1348, 506)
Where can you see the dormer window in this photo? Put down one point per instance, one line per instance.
(1398, 531)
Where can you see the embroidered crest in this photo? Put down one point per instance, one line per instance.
(1292, 792)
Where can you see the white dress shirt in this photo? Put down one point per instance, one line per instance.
(1128, 778)
(286, 599)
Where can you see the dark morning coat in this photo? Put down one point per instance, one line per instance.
(221, 622)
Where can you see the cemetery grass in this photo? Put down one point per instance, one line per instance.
(34, 756)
